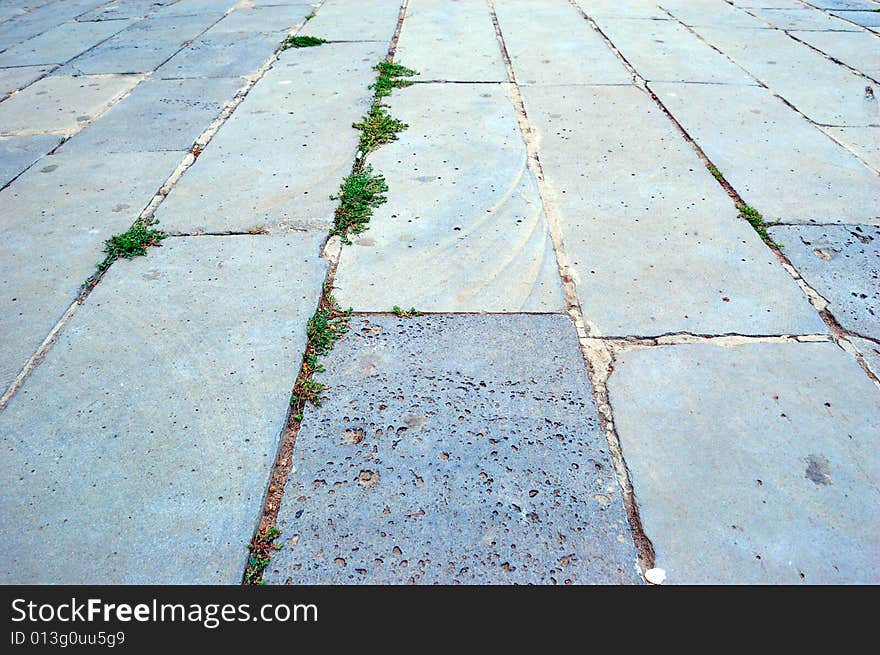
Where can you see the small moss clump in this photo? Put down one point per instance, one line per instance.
(302, 42)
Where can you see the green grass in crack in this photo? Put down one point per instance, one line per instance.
(132, 243)
(302, 42)
(756, 220)
(390, 77)
(378, 128)
(260, 547)
(360, 193)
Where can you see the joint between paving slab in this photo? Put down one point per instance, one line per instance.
(638, 80)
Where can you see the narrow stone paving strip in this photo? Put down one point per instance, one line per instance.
(166, 402)
(755, 463)
(454, 450)
(463, 229)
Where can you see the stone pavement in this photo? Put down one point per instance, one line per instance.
(613, 378)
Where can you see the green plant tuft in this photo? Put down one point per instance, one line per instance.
(756, 220)
(359, 194)
(260, 547)
(132, 243)
(389, 78)
(405, 313)
(378, 128)
(302, 42)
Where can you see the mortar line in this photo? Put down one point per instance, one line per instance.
(597, 356)
(34, 360)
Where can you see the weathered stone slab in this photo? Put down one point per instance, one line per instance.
(834, 96)
(215, 8)
(226, 54)
(353, 20)
(845, 4)
(143, 47)
(843, 264)
(539, 56)
(864, 141)
(169, 390)
(60, 44)
(39, 19)
(803, 18)
(870, 350)
(159, 115)
(464, 229)
(269, 20)
(869, 19)
(284, 151)
(121, 9)
(449, 451)
(861, 50)
(712, 13)
(655, 242)
(753, 464)
(19, 152)
(61, 104)
(13, 79)
(622, 8)
(775, 159)
(664, 50)
(55, 218)
(454, 42)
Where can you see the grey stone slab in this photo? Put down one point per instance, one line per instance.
(142, 47)
(55, 218)
(768, 4)
(353, 20)
(622, 8)
(285, 149)
(655, 242)
(269, 20)
(843, 264)
(460, 449)
(169, 391)
(845, 4)
(804, 18)
(539, 56)
(713, 13)
(159, 115)
(861, 50)
(13, 79)
(870, 351)
(214, 8)
(464, 229)
(869, 19)
(864, 141)
(39, 19)
(776, 160)
(61, 104)
(753, 464)
(834, 96)
(664, 50)
(226, 54)
(451, 40)
(121, 9)
(19, 152)
(60, 44)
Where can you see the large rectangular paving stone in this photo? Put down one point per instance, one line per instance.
(834, 96)
(754, 464)
(121, 9)
(55, 218)
(712, 13)
(19, 152)
(286, 148)
(354, 20)
(861, 50)
(169, 390)
(62, 104)
(842, 263)
(774, 158)
(451, 40)
(39, 19)
(58, 45)
(540, 56)
(158, 115)
(664, 50)
(454, 449)
(869, 19)
(265, 20)
(221, 54)
(464, 229)
(142, 47)
(803, 18)
(654, 240)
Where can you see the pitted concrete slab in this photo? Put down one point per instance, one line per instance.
(19, 152)
(753, 464)
(286, 148)
(169, 390)
(222, 54)
(531, 34)
(763, 148)
(460, 449)
(61, 104)
(353, 20)
(158, 115)
(60, 44)
(654, 240)
(56, 217)
(834, 96)
(464, 229)
(861, 50)
(453, 41)
(664, 50)
(842, 262)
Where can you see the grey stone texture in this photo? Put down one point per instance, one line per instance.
(459, 449)
(803, 18)
(39, 19)
(863, 141)
(13, 79)
(842, 262)
(284, 151)
(861, 50)
(121, 9)
(869, 19)
(353, 20)
(168, 393)
(531, 35)
(711, 13)
(60, 44)
(224, 54)
(655, 242)
(754, 464)
(19, 152)
(464, 229)
(870, 351)
(56, 217)
(622, 8)
(451, 40)
(265, 20)
(763, 149)
(158, 115)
